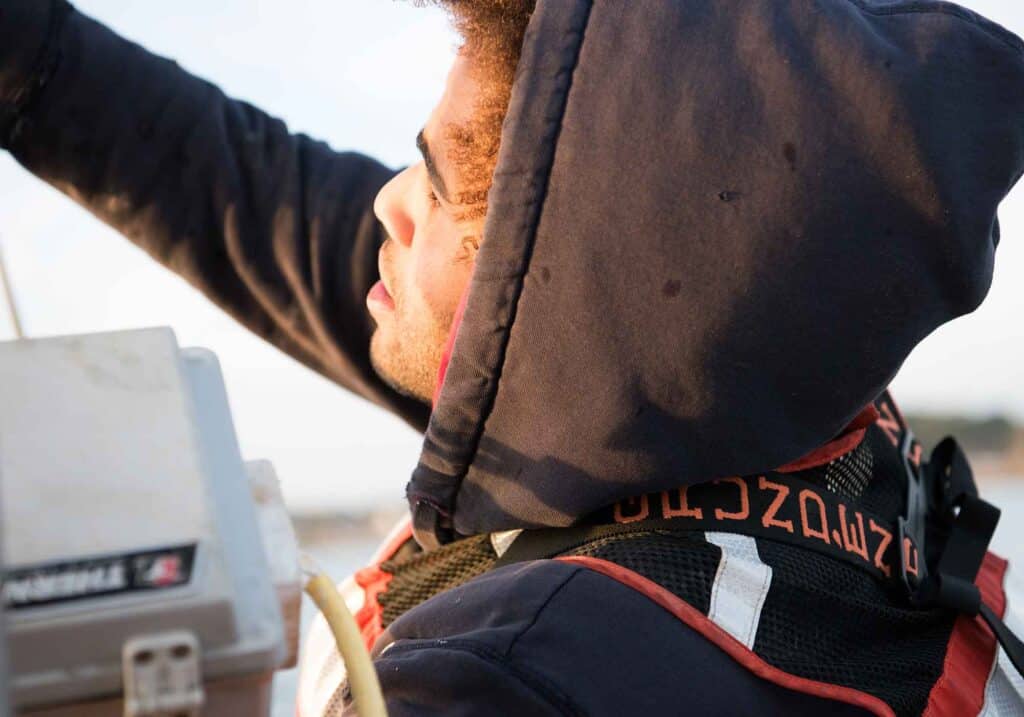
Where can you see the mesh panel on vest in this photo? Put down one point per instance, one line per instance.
(419, 577)
(870, 476)
(849, 475)
(885, 494)
(683, 563)
(827, 621)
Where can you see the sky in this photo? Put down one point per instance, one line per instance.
(363, 75)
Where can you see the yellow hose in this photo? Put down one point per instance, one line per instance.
(362, 676)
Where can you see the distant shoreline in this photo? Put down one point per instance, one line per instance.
(317, 528)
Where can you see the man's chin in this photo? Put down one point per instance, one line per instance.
(398, 371)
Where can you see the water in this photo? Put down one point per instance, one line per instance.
(340, 559)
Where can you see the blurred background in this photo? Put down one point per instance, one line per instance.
(363, 75)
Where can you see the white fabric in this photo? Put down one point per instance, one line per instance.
(502, 540)
(740, 588)
(1004, 693)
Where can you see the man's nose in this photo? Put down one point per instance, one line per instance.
(391, 207)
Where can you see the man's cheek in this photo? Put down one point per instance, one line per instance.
(440, 281)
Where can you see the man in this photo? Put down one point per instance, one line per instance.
(651, 246)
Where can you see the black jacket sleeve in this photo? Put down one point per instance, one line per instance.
(457, 678)
(551, 638)
(275, 228)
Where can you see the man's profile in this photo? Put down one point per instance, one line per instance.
(644, 294)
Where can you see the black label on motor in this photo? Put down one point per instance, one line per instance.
(157, 569)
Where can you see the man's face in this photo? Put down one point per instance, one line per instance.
(427, 259)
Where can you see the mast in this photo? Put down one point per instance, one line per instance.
(12, 307)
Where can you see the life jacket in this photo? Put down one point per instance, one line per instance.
(860, 573)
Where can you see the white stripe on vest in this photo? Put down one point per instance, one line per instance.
(740, 587)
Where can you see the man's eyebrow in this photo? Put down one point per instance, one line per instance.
(435, 177)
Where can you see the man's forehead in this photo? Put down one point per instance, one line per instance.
(458, 101)
(455, 108)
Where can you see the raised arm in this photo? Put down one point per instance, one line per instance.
(275, 228)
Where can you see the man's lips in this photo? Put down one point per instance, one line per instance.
(378, 298)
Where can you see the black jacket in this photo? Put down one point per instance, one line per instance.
(716, 230)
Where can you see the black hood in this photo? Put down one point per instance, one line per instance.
(716, 231)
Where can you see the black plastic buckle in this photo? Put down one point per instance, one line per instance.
(911, 527)
(972, 522)
(947, 488)
(951, 477)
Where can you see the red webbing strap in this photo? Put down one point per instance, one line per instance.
(726, 642)
(972, 648)
(373, 581)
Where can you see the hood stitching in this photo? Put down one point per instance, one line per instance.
(519, 276)
(939, 7)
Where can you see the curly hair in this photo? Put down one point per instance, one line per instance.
(492, 37)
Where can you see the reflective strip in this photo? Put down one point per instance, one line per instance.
(1004, 692)
(741, 585)
(503, 540)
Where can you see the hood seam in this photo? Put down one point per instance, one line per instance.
(923, 7)
(499, 368)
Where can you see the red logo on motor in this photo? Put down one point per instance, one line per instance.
(165, 570)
